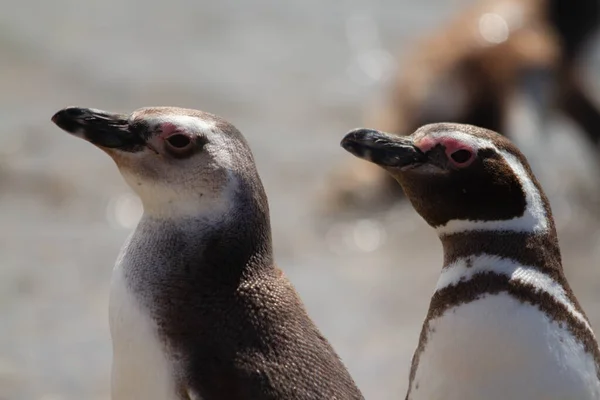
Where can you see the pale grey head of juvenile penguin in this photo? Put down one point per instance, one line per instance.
(182, 163)
(459, 177)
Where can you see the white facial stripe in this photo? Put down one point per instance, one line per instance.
(221, 151)
(534, 218)
(186, 122)
(459, 271)
(470, 140)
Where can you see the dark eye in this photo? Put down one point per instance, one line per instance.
(179, 141)
(461, 156)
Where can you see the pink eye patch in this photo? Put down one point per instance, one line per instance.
(167, 129)
(458, 152)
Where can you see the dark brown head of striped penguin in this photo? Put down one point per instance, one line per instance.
(459, 177)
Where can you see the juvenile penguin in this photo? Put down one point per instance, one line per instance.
(503, 322)
(198, 309)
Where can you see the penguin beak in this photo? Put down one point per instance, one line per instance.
(98, 127)
(385, 150)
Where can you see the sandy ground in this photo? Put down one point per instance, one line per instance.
(292, 76)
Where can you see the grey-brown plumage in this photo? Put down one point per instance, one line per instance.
(503, 321)
(199, 309)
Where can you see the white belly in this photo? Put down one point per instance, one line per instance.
(140, 370)
(497, 348)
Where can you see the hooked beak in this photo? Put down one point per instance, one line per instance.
(101, 128)
(385, 150)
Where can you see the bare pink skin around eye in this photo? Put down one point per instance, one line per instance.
(451, 145)
(167, 129)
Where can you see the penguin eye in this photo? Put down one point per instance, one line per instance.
(180, 145)
(179, 141)
(461, 156)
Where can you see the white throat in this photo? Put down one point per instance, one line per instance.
(164, 201)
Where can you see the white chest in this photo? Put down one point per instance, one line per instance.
(498, 348)
(141, 370)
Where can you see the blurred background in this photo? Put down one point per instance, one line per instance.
(294, 77)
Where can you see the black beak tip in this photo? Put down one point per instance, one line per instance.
(346, 143)
(58, 116)
(354, 140)
(68, 118)
(64, 120)
(350, 145)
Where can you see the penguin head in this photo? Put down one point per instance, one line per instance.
(458, 177)
(181, 162)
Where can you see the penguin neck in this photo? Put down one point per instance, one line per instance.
(527, 239)
(225, 247)
(536, 249)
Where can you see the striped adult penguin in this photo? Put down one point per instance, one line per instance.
(503, 322)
